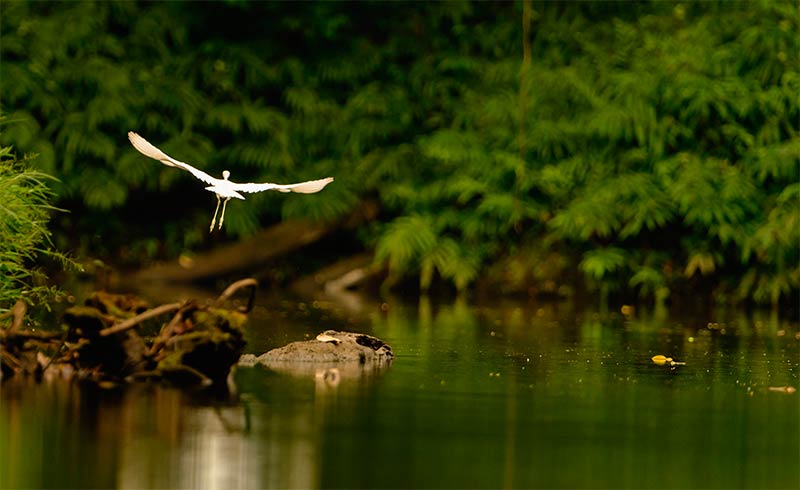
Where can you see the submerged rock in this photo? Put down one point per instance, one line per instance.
(329, 347)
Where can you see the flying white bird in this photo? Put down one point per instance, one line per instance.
(223, 187)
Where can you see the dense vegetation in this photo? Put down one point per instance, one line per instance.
(24, 238)
(648, 147)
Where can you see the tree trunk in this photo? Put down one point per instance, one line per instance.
(255, 251)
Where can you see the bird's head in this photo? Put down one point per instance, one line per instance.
(225, 174)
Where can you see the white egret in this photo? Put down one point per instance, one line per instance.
(223, 187)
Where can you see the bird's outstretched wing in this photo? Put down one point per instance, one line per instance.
(147, 149)
(309, 187)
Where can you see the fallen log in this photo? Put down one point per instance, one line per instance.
(342, 275)
(341, 280)
(255, 251)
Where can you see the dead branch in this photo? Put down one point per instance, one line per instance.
(32, 335)
(236, 286)
(164, 334)
(18, 313)
(132, 322)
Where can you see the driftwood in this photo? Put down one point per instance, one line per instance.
(107, 340)
(341, 281)
(255, 251)
(133, 322)
(231, 290)
(17, 346)
(338, 277)
(17, 313)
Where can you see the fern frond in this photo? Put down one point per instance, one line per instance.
(599, 264)
(405, 241)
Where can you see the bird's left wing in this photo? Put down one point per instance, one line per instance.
(309, 187)
(147, 149)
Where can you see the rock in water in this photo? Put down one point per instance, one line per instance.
(329, 346)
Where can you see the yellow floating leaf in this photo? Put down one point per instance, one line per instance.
(661, 360)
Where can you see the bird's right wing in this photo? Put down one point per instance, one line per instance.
(147, 149)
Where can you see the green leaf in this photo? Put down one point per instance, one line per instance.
(599, 264)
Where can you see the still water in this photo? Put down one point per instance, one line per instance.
(499, 397)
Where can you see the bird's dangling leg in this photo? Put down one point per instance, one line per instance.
(222, 216)
(214, 219)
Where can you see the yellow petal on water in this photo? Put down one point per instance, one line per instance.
(661, 360)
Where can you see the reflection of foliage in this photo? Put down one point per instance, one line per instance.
(24, 213)
(666, 132)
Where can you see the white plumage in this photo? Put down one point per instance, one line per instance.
(223, 187)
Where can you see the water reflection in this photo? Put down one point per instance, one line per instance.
(477, 397)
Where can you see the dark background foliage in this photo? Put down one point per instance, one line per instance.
(649, 147)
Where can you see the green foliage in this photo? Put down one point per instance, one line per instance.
(656, 144)
(414, 243)
(601, 263)
(24, 238)
(119, 67)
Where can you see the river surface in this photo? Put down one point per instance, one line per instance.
(508, 396)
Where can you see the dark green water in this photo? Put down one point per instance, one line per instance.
(476, 398)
